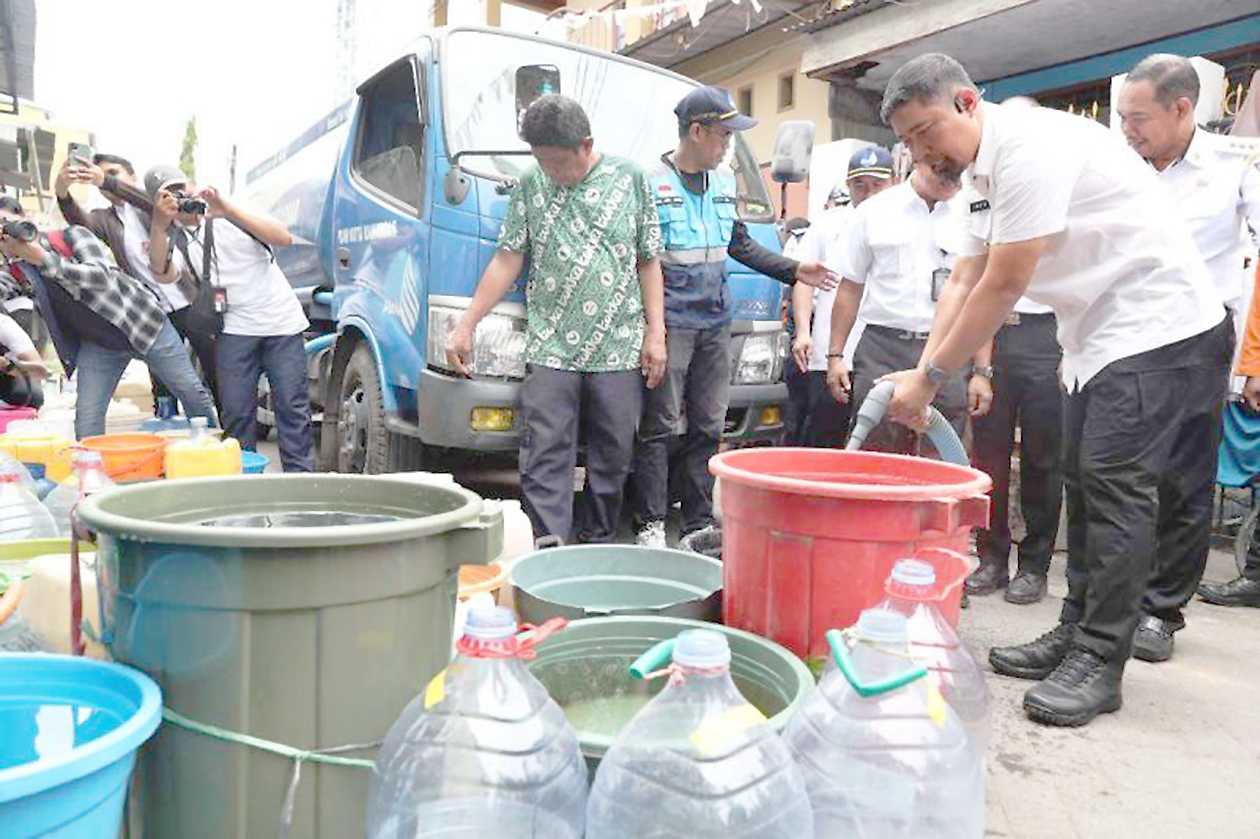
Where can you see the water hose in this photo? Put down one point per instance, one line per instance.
(939, 431)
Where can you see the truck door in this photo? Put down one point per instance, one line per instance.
(380, 254)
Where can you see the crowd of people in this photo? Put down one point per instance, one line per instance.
(164, 267)
(1035, 274)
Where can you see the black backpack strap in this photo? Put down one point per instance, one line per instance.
(207, 251)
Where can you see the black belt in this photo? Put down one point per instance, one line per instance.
(1016, 318)
(901, 334)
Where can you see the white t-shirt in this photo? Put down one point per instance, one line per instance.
(259, 298)
(19, 304)
(1217, 188)
(895, 246)
(13, 338)
(136, 244)
(1121, 271)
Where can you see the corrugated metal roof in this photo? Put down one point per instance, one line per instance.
(724, 21)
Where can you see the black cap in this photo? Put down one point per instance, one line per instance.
(710, 104)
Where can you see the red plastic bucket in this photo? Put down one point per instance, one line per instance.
(811, 535)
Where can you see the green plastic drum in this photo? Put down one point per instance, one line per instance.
(587, 581)
(585, 669)
(310, 614)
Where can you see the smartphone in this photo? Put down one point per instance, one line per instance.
(81, 152)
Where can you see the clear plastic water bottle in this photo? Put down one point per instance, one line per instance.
(21, 514)
(934, 644)
(484, 751)
(882, 753)
(86, 477)
(699, 760)
(10, 465)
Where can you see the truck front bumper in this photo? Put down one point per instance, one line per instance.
(446, 405)
(755, 415)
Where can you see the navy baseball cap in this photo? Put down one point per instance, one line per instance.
(710, 104)
(875, 161)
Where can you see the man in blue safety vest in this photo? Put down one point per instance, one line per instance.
(696, 198)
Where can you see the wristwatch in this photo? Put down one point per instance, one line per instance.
(936, 375)
(982, 371)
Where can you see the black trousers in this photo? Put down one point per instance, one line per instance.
(1139, 467)
(1028, 392)
(203, 345)
(881, 351)
(697, 386)
(557, 406)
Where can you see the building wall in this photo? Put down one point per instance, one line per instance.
(32, 117)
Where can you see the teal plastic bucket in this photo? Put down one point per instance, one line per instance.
(69, 731)
(253, 463)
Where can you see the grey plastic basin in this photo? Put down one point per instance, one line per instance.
(585, 581)
(590, 660)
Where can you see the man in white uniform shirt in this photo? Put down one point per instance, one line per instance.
(1069, 216)
(1028, 394)
(1217, 187)
(894, 259)
(870, 172)
(263, 321)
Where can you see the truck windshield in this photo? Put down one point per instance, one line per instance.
(631, 107)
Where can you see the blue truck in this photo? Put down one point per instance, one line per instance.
(395, 200)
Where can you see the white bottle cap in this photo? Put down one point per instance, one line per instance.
(882, 626)
(490, 623)
(914, 572)
(702, 648)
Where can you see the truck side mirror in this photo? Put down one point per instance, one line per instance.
(793, 146)
(534, 81)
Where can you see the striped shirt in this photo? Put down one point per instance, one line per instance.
(93, 279)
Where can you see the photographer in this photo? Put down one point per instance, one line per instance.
(99, 318)
(124, 227)
(21, 368)
(203, 235)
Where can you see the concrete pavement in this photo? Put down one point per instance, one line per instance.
(1180, 759)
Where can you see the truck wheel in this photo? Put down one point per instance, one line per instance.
(362, 441)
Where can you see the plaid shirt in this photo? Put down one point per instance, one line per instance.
(92, 278)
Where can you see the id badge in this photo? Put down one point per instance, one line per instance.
(939, 277)
(220, 301)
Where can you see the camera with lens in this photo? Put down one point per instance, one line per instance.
(190, 204)
(23, 231)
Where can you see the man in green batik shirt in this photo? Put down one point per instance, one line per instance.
(596, 317)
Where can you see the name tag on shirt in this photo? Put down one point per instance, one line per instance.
(980, 206)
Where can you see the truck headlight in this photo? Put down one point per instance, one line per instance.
(760, 360)
(498, 343)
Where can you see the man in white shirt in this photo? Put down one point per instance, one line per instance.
(870, 171)
(1216, 184)
(263, 321)
(1070, 217)
(1028, 394)
(894, 258)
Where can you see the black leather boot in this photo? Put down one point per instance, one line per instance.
(1036, 659)
(1153, 638)
(1237, 592)
(1026, 588)
(1083, 686)
(986, 579)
